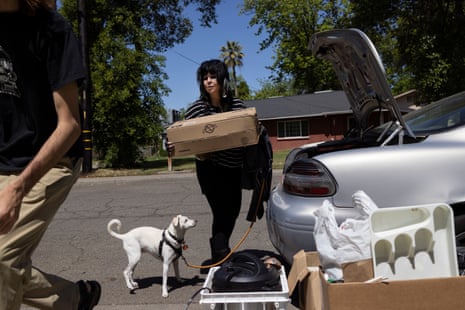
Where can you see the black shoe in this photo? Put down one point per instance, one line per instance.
(219, 245)
(90, 294)
(219, 255)
(206, 262)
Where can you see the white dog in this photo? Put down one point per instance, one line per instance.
(164, 244)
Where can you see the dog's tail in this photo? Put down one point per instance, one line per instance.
(117, 223)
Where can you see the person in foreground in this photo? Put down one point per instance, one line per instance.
(40, 154)
(218, 173)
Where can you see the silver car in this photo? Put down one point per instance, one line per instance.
(415, 159)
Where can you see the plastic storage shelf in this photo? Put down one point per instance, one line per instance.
(414, 242)
(263, 300)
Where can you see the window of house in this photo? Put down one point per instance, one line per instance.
(293, 129)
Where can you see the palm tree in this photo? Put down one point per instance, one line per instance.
(232, 56)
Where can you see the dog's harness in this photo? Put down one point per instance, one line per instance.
(177, 250)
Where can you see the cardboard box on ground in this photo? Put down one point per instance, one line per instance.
(214, 132)
(315, 293)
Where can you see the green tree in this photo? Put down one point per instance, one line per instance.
(419, 42)
(232, 56)
(126, 42)
(273, 89)
(289, 25)
(243, 90)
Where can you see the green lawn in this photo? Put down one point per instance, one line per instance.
(154, 165)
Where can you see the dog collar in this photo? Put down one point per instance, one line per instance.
(177, 250)
(180, 241)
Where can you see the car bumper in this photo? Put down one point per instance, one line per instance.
(290, 221)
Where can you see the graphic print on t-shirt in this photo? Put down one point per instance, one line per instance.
(7, 75)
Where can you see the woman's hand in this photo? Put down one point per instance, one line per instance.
(170, 148)
(204, 156)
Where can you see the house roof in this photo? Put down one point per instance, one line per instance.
(308, 105)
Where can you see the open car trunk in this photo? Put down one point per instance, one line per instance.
(361, 74)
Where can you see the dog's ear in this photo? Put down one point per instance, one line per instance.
(176, 220)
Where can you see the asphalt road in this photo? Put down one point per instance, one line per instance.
(78, 246)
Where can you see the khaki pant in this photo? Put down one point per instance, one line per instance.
(20, 282)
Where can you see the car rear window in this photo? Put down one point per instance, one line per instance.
(441, 115)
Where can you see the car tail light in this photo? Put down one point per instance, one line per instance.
(309, 178)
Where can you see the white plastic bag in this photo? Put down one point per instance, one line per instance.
(345, 243)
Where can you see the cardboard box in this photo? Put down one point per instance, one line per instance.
(315, 293)
(360, 271)
(214, 132)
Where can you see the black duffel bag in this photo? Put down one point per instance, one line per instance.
(245, 272)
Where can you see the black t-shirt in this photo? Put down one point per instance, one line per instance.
(38, 54)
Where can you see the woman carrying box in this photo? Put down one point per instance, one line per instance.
(218, 173)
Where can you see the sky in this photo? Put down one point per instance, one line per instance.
(205, 43)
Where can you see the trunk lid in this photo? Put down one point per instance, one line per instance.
(360, 71)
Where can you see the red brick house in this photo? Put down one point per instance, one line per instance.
(322, 116)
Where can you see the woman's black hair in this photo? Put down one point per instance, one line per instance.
(220, 70)
(29, 7)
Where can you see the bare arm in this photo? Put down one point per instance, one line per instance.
(63, 137)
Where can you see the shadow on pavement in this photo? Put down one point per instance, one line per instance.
(173, 284)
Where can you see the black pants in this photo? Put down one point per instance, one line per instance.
(222, 188)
